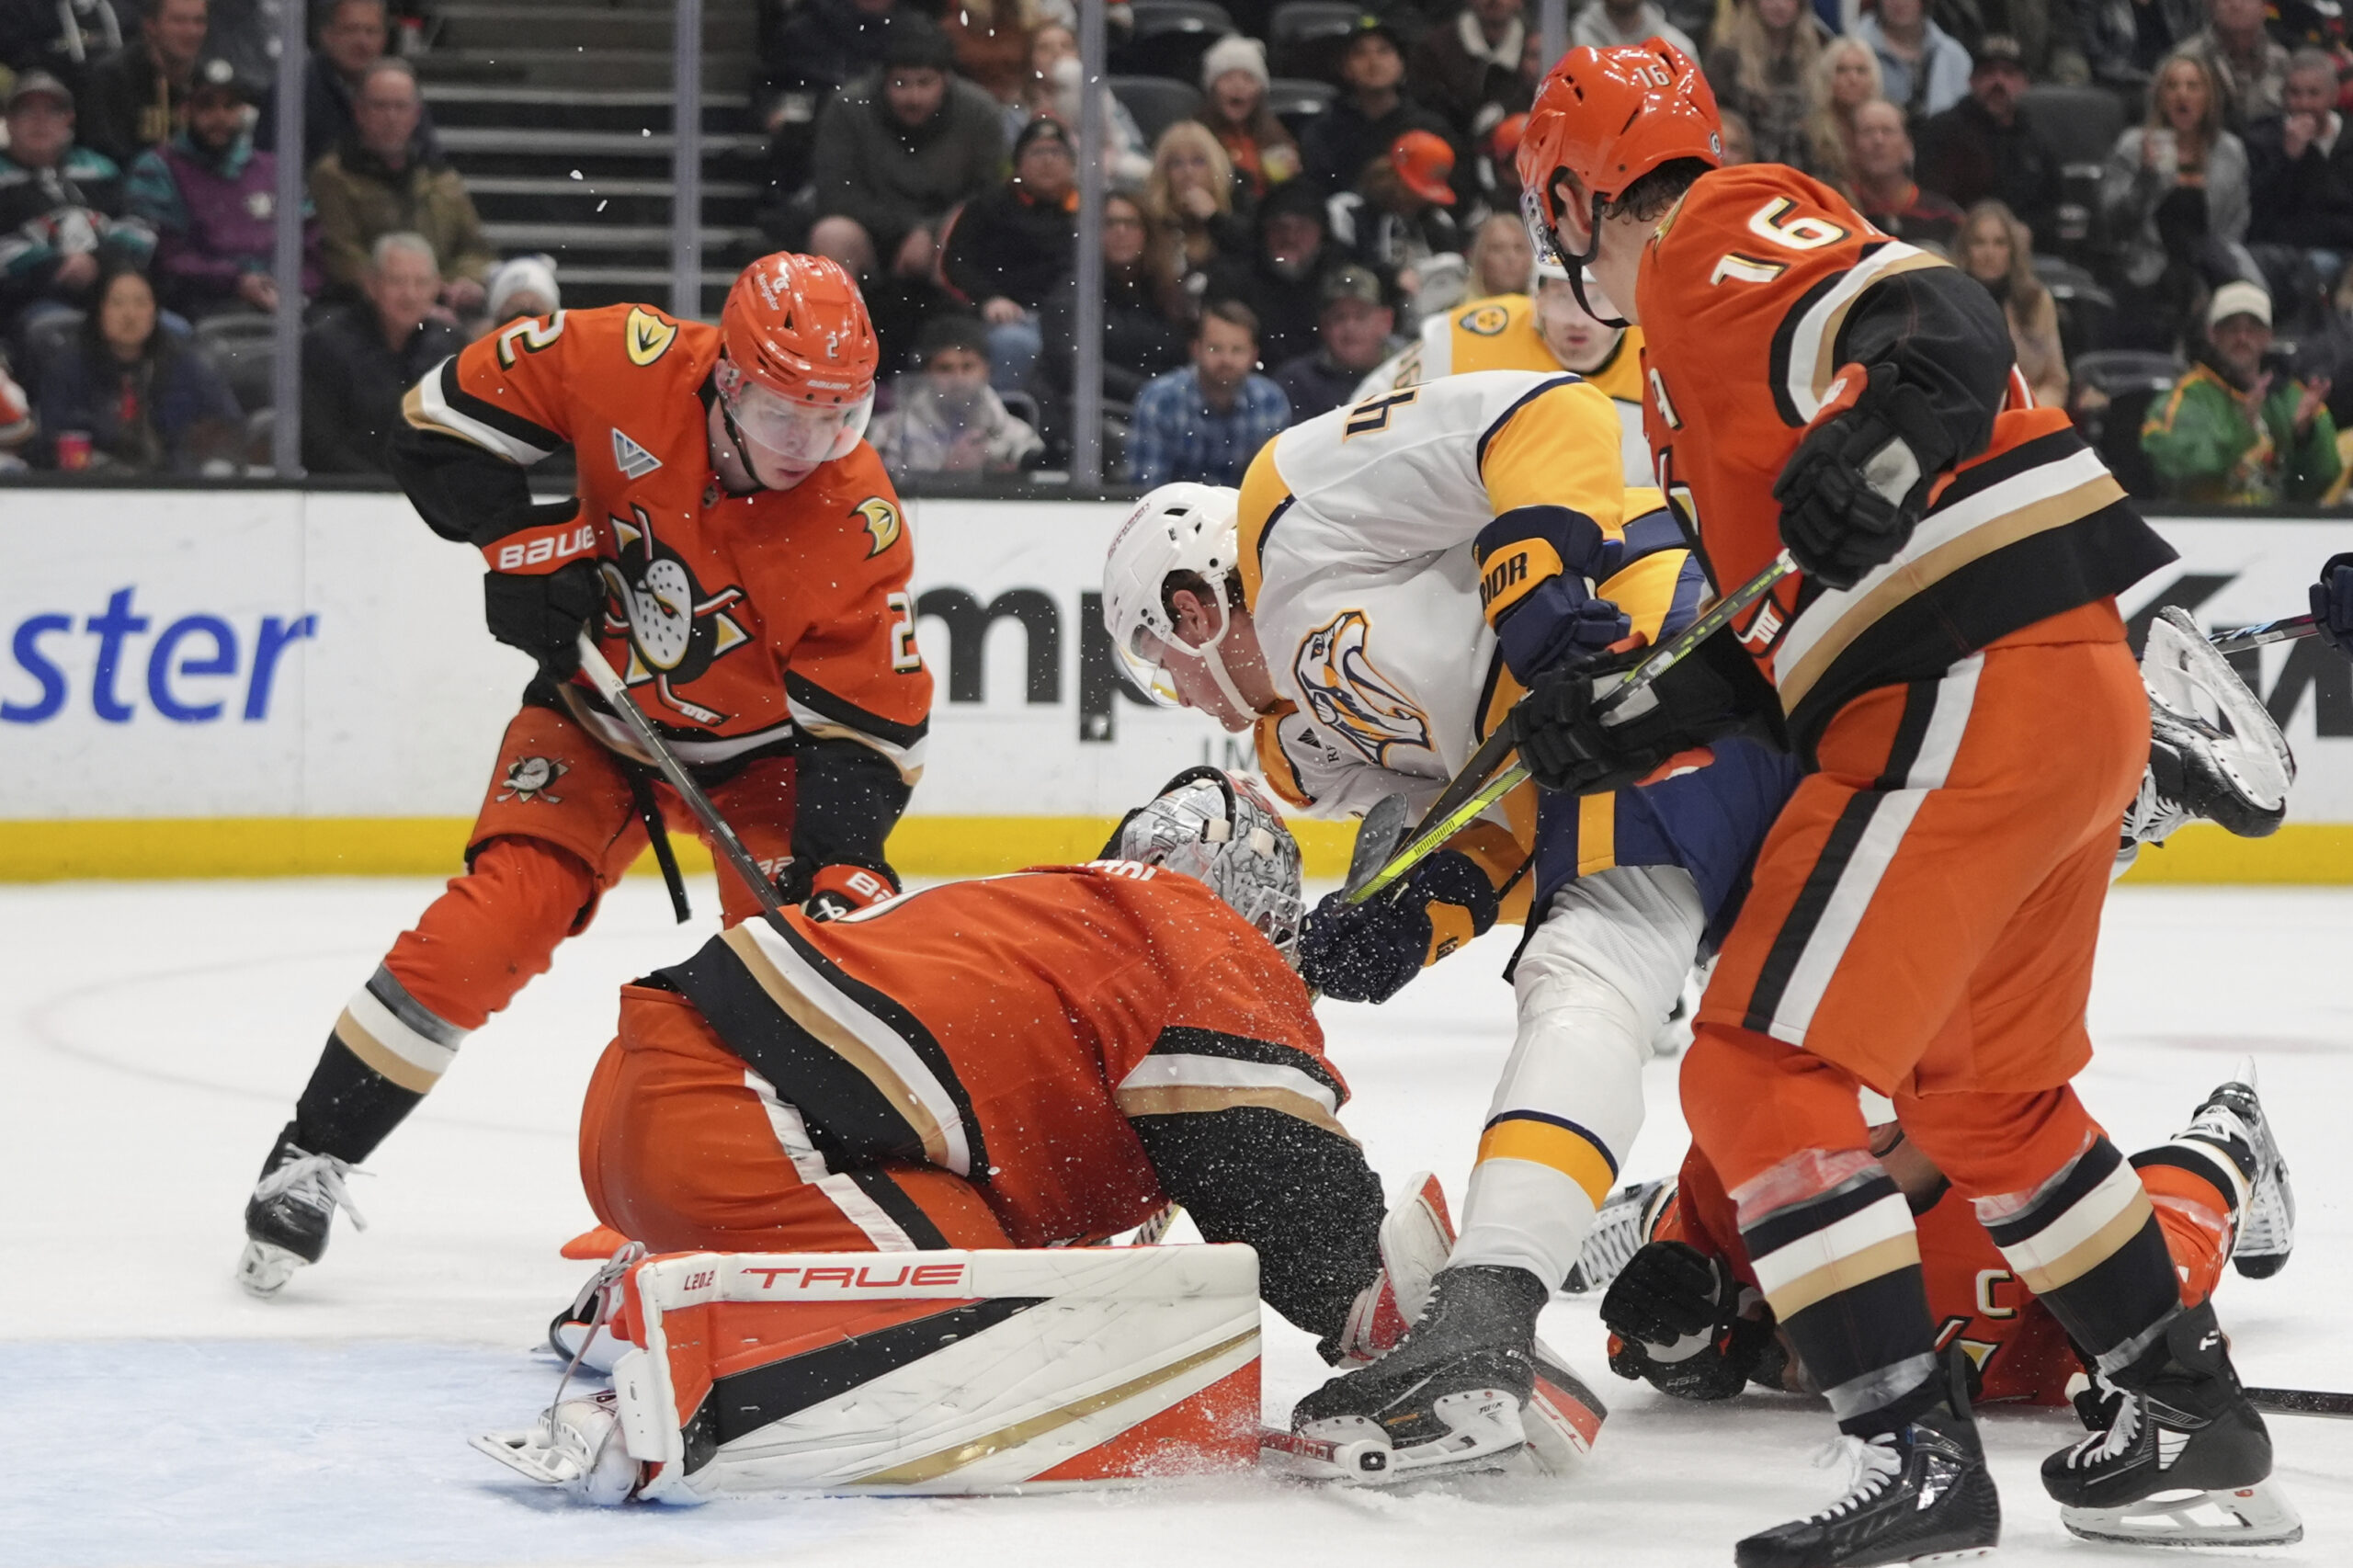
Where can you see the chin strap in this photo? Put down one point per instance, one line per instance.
(1577, 264)
(1212, 655)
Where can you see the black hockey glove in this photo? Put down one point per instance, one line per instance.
(1857, 484)
(2332, 603)
(544, 615)
(1675, 1322)
(1366, 952)
(1569, 745)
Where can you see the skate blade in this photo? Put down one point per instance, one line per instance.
(263, 1268)
(2248, 1516)
(1484, 1433)
(528, 1454)
(1563, 1416)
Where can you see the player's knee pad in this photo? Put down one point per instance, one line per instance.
(940, 1372)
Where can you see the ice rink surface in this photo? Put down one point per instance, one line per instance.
(153, 1037)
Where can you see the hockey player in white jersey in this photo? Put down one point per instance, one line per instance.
(1380, 591)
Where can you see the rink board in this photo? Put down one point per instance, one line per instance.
(209, 683)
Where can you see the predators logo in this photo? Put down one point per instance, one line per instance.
(1486, 320)
(1347, 694)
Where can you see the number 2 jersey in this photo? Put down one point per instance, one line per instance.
(1758, 288)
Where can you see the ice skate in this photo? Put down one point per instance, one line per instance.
(2184, 1459)
(1922, 1494)
(2214, 751)
(2268, 1226)
(576, 1446)
(287, 1216)
(1619, 1232)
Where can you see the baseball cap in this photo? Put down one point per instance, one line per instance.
(1370, 26)
(39, 85)
(1422, 162)
(1351, 282)
(2238, 300)
(1996, 49)
(216, 75)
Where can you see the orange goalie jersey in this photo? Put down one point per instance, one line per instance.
(734, 618)
(1762, 280)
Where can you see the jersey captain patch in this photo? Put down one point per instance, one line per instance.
(1348, 695)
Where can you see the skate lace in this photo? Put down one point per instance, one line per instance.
(2152, 816)
(2117, 1441)
(318, 1176)
(606, 1283)
(1871, 1465)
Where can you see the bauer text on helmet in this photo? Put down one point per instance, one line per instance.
(1221, 829)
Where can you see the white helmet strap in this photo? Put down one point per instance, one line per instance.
(1212, 653)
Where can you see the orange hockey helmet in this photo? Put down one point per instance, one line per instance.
(800, 358)
(1605, 118)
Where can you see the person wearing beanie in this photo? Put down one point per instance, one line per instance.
(1008, 252)
(948, 420)
(523, 287)
(1233, 107)
(2234, 431)
(892, 162)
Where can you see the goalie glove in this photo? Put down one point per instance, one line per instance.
(543, 613)
(1679, 1322)
(1569, 744)
(1366, 952)
(1858, 483)
(831, 892)
(2332, 600)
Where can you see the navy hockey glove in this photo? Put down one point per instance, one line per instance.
(543, 614)
(1535, 563)
(1366, 952)
(1676, 1322)
(2332, 603)
(1570, 745)
(1858, 483)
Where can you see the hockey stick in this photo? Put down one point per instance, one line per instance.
(2302, 1401)
(1439, 826)
(2269, 631)
(731, 849)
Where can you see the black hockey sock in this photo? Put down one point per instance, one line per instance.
(2088, 1245)
(347, 1107)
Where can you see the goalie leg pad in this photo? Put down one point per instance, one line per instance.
(946, 1373)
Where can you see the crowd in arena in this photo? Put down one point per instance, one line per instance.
(2159, 192)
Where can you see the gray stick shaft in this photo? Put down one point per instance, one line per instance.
(2270, 631)
(731, 849)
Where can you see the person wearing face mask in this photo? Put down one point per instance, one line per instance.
(948, 420)
(735, 552)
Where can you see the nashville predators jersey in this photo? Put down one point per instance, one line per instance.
(1008, 1029)
(1756, 292)
(736, 620)
(1500, 334)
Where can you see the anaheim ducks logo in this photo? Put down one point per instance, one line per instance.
(1347, 694)
(1486, 320)
(676, 629)
(647, 335)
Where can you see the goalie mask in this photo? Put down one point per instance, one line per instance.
(1219, 829)
(1188, 530)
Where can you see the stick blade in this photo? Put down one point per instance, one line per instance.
(1378, 836)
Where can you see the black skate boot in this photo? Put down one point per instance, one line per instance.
(2268, 1224)
(288, 1215)
(2184, 1459)
(1920, 1494)
(1448, 1397)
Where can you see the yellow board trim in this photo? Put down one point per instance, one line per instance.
(2317, 853)
(435, 846)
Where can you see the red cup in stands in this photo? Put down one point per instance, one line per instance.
(72, 450)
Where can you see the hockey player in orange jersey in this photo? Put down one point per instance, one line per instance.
(738, 553)
(1951, 669)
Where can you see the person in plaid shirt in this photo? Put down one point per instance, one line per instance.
(1205, 421)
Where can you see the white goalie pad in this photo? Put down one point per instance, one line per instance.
(942, 1373)
(2188, 678)
(2252, 1515)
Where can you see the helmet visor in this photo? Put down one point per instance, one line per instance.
(793, 430)
(1145, 655)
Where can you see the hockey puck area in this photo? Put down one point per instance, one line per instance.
(152, 1036)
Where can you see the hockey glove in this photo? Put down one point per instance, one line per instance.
(1557, 626)
(1366, 952)
(1536, 566)
(1676, 1322)
(1857, 484)
(1570, 745)
(543, 614)
(2332, 603)
(831, 892)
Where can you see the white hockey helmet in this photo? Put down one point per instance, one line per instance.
(1221, 829)
(1177, 527)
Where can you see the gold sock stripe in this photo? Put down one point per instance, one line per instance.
(1553, 1146)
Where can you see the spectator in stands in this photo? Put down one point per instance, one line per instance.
(892, 162)
(1740, 143)
(2120, 40)
(1053, 92)
(948, 419)
(1370, 113)
(1467, 70)
(212, 202)
(1604, 24)
(382, 181)
(143, 399)
(1144, 309)
(1993, 248)
(1922, 70)
(1398, 218)
(350, 40)
(1762, 69)
(1205, 421)
(2236, 431)
(1845, 78)
(1009, 251)
(1189, 197)
(809, 52)
(360, 361)
(2300, 177)
(60, 207)
(2250, 69)
(991, 42)
(1233, 108)
(1282, 279)
(1502, 260)
(2175, 193)
(1885, 191)
(131, 99)
(16, 426)
(1981, 148)
(524, 286)
(1355, 331)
